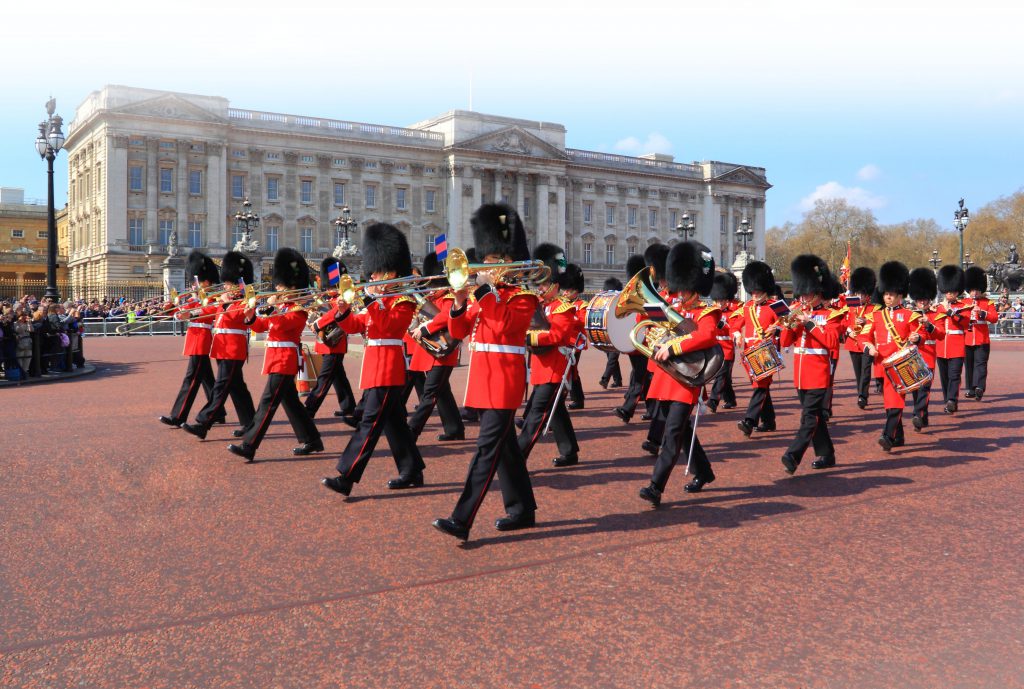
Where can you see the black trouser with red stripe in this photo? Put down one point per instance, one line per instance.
(760, 408)
(921, 398)
(280, 390)
(332, 374)
(676, 442)
(437, 391)
(612, 372)
(543, 404)
(639, 379)
(830, 391)
(496, 450)
(199, 372)
(383, 412)
(722, 389)
(659, 417)
(894, 425)
(813, 429)
(575, 385)
(230, 381)
(949, 376)
(976, 366)
(862, 364)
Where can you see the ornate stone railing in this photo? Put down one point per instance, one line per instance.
(360, 129)
(598, 159)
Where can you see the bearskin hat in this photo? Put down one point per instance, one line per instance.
(876, 297)
(810, 275)
(862, 280)
(894, 278)
(612, 285)
(725, 287)
(572, 278)
(498, 230)
(471, 255)
(975, 278)
(290, 269)
(552, 256)
(385, 250)
(951, 279)
(325, 265)
(201, 267)
(758, 277)
(654, 258)
(432, 266)
(235, 267)
(923, 285)
(690, 267)
(634, 264)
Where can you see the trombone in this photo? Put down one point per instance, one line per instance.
(458, 270)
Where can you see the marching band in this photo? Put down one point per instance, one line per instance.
(519, 321)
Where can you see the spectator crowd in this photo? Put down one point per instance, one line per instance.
(39, 337)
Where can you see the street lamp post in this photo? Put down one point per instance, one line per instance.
(967, 262)
(961, 217)
(48, 145)
(686, 227)
(935, 260)
(745, 232)
(247, 221)
(344, 224)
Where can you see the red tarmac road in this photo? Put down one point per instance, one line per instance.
(133, 555)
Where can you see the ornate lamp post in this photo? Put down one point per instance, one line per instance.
(48, 145)
(961, 217)
(935, 260)
(967, 262)
(344, 224)
(686, 228)
(745, 232)
(247, 221)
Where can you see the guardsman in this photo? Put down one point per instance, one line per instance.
(950, 352)
(571, 285)
(891, 328)
(750, 324)
(612, 371)
(862, 286)
(813, 333)
(230, 349)
(639, 376)
(977, 342)
(835, 301)
(437, 388)
(550, 351)
(382, 324)
(654, 257)
(284, 322)
(333, 350)
(198, 340)
(495, 325)
(923, 289)
(723, 295)
(690, 270)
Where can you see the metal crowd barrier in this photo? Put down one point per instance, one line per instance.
(1007, 328)
(142, 326)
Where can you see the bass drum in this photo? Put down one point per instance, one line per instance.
(604, 330)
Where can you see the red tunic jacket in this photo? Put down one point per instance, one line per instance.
(706, 320)
(959, 315)
(284, 334)
(983, 313)
(382, 325)
(724, 336)
(230, 333)
(929, 337)
(853, 343)
(199, 336)
(905, 323)
(751, 320)
(496, 325)
(549, 366)
(813, 345)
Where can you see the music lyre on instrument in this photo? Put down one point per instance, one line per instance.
(691, 368)
(439, 344)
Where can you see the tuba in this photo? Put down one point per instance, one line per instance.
(692, 368)
(439, 344)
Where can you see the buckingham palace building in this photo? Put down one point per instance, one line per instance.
(148, 169)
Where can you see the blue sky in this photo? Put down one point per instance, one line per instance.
(901, 106)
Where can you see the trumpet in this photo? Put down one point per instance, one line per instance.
(458, 270)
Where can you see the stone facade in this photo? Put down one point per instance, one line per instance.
(146, 163)
(23, 239)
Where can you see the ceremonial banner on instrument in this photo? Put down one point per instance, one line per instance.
(844, 271)
(780, 307)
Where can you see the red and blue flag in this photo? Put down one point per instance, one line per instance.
(334, 274)
(780, 307)
(441, 247)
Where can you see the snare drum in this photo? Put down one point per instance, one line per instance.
(907, 370)
(762, 360)
(605, 331)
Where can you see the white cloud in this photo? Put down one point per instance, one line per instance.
(855, 196)
(869, 172)
(654, 143)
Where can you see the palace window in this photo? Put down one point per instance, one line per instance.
(526, 207)
(428, 243)
(609, 214)
(588, 252)
(135, 231)
(631, 216)
(273, 188)
(166, 230)
(166, 180)
(272, 233)
(306, 191)
(195, 233)
(339, 194)
(609, 254)
(135, 178)
(652, 218)
(17, 234)
(306, 240)
(429, 201)
(400, 198)
(237, 186)
(588, 212)
(371, 196)
(195, 183)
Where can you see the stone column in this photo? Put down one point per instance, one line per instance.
(181, 195)
(117, 192)
(152, 190)
(757, 222)
(499, 177)
(710, 222)
(216, 194)
(559, 238)
(520, 195)
(454, 226)
(477, 181)
(543, 232)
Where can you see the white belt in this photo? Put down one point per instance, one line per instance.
(808, 350)
(204, 326)
(929, 342)
(274, 343)
(384, 343)
(752, 339)
(497, 348)
(229, 331)
(723, 337)
(954, 332)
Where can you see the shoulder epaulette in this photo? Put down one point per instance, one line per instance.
(708, 310)
(737, 312)
(836, 313)
(939, 315)
(448, 295)
(523, 292)
(914, 315)
(403, 298)
(876, 307)
(563, 306)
